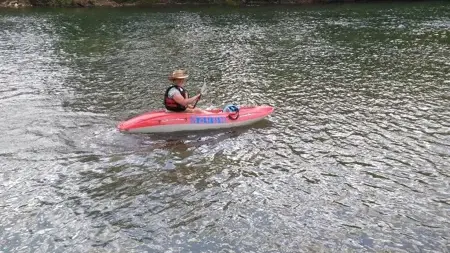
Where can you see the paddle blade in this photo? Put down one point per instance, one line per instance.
(203, 90)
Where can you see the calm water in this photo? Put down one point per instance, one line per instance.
(355, 157)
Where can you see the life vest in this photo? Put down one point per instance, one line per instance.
(170, 103)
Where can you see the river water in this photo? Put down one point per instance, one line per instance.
(355, 157)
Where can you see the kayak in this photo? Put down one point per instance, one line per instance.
(161, 121)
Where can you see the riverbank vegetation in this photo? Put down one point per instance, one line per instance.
(120, 3)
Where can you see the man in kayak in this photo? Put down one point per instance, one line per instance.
(176, 98)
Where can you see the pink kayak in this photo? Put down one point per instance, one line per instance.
(165, 121)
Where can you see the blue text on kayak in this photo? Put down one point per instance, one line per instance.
(207, 120)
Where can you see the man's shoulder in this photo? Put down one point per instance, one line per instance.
(172, 91)
(173, 88)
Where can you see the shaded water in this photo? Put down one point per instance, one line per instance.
(354, 158)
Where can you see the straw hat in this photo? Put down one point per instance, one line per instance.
(178, 74)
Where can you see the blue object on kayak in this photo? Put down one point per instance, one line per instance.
(231, 108)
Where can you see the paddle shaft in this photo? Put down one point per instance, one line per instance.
(202, 91)
(195, 104)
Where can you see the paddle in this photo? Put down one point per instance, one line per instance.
(202, 91)
(234, 115)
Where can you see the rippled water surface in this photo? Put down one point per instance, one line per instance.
(355, 157)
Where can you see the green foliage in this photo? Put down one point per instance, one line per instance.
(232, 2)
(143, 2)
(61, 3)
(52, 3)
